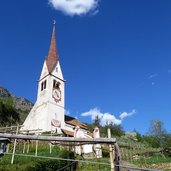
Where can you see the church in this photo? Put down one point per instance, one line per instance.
(48, 113)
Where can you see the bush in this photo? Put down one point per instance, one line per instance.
(105, 153)
(50, 164)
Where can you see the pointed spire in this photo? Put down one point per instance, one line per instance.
(52, 57)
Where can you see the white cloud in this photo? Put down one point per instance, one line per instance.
(107, 118)
(153, 76)
(126, 114)
(75, 7)
(93, 113)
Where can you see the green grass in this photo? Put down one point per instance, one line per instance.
(153, 159)
(23, 163)
(86, 166)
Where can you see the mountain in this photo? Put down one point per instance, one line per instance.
(21, 104)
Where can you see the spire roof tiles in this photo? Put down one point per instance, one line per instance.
(52, 57)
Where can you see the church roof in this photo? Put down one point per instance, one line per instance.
(68, 133)
(52, 57)
(72, 121)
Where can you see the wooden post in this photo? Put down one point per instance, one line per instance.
(111, 151)
(7, 148)
(50, 145)
(15, 142)
(24, 147)
(117, 157)
(36, 147)
(28, 146)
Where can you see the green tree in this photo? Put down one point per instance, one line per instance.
(97, 121)
(166, 140)
(138, 135)
(8, 115)
(116, 130)
(156, 133)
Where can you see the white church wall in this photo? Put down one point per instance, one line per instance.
(44, 71)
(36, 118)
(46, 108)
(56, 112)
(57, 71)
(51, 98)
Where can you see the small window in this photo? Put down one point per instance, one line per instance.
(43, 85)
(56, 84)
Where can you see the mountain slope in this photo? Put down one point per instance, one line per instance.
(21, 104)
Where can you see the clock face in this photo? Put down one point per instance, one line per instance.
(56, 94)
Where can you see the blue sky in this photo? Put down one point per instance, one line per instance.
(115, 56)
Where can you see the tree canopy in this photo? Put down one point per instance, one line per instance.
(8, 114)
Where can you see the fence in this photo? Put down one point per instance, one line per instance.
(27, 142)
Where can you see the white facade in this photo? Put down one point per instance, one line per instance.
(81, 149)
(47, 107)
(97, 147)
(48, 113)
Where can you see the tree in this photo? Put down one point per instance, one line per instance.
(167, 140)
(116, 130)
(8, 115)
(156, 133)
(94, 124)
(156, 128)
(138, 135)
(97, 121)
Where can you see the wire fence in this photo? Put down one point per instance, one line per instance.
(134, 156)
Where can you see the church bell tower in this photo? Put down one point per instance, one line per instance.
(49, 108)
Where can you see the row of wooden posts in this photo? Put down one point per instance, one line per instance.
(114, 160)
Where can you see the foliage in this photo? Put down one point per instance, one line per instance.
(138, 135)
(22, 163)
(152, 160)
(94, 166)
(167, 140)
(8, 114)
(7, 101)
(157, 135)
(97, 121)
(94, 124)
(105, 152)
(116, 130)
(10, 101)
(156, 129)
(50, 165)
(152, 141)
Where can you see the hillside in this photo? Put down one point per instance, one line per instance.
(21, 104)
